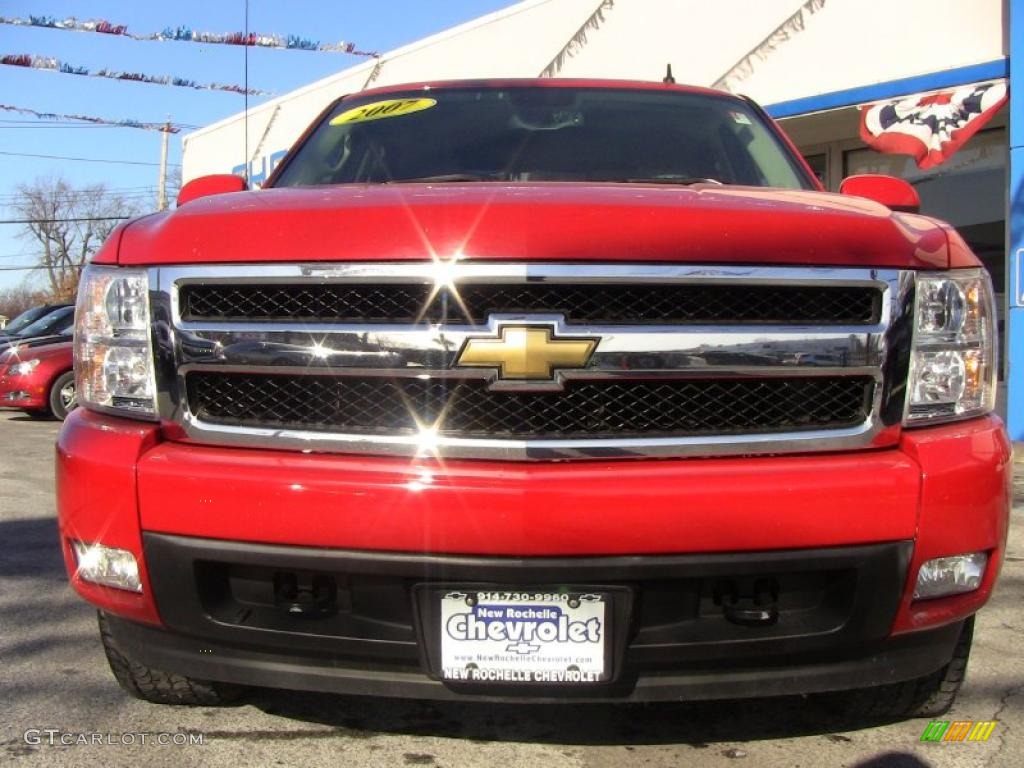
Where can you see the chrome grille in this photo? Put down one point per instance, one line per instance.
(689, 360)
(460, 408)
(402, 303)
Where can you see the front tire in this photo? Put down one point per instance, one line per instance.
(928, 696)
(62, 395)
(157, 686)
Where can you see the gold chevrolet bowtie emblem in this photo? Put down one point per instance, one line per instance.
(526, 352)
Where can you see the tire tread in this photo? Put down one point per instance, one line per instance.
(927, 696)
(158, 686)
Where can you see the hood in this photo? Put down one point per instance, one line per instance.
(553, 221)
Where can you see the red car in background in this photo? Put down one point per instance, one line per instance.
(38, 379)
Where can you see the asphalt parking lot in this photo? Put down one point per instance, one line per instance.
(53, 676)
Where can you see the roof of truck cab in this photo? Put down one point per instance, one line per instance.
(541, 82)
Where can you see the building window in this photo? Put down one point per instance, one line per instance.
(819, 164)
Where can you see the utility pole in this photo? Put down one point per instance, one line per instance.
(161, 194)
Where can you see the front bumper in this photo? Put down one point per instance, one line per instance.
(836, 607)
(664, 530)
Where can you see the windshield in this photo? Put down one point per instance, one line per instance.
(543, 134)
(25, 319)
(55, 322)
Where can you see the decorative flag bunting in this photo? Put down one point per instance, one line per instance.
(47, 62)
(165, 127)
(782, 34)
(930, 127)
(579, 40)
(186, 34)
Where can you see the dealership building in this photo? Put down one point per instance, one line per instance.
(815, 65)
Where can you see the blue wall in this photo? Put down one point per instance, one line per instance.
(1015, 233)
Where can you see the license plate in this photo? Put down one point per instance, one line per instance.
(524, 637)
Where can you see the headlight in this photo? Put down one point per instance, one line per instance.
(23, 368)
(953, 360)
(113, 351)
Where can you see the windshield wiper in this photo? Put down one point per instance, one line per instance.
(457, 177)
(668, 179)
(447, 177)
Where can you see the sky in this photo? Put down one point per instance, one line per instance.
(377, 26)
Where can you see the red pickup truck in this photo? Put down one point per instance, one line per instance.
(537, 391)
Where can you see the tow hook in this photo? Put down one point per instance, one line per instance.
(310, 596)
(749, 610)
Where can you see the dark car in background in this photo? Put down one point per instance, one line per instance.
(38, 379)
(55, 325)
(27, 318)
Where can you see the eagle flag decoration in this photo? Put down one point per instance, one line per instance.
(930, 127)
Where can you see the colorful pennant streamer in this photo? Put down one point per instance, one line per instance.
(782, 34)
(50, 63)
(165, 127)
(186, 34)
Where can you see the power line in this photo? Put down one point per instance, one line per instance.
(38, 266)
(56, 126)
(166, 127)
(133, 189)
(70, 200)
(125, 188)
(76, 196)
(61, 124)
(18, 256)
(84, 159)
(63, 221)
(25, 124)
(142, 199)
(245, 119)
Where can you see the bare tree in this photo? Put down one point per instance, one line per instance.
(173, 184)
(15, 300)
(68, 225)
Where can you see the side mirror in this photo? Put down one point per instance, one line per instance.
(215, 184)
(888, 190)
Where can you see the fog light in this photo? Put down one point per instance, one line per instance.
(107, 566)
(950, 575)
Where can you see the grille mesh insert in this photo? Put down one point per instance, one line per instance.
(586, 409)
(616, 303)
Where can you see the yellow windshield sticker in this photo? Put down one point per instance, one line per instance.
(378, 110)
